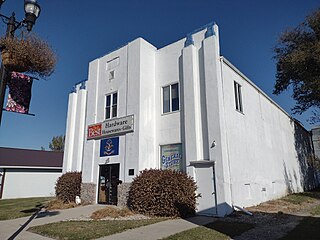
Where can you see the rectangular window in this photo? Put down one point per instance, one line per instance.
(111, 105)
(170, 98)
(238, 97)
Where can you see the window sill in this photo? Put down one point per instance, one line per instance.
(168, 113)
(239, 112)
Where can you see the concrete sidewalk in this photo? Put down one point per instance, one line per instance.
(16, 228)
(161, 229)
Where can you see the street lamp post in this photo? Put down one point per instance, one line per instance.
(32, 12)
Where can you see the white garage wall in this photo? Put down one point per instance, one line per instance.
(21, 183)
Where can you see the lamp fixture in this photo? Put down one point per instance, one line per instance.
(32, 11)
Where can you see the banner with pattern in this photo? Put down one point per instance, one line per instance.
(19, 93)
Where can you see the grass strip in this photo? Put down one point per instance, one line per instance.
(298, 198)
(22, 207)
(218, 230)
(85, 230)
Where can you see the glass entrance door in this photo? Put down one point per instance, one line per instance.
(108, 184)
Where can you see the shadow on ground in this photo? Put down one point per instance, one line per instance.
(47, 214)
(264, 226)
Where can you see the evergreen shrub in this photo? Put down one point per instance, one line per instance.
(68, 186)
(163, 193)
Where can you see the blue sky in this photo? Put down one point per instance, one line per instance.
(80, 31)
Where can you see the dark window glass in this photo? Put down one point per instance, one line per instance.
(108, 104)
(114, 99)
(238, 97)
(114, 104)
(166, 99)
(175, 97)
(108, 109)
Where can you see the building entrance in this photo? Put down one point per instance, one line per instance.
(108, 184)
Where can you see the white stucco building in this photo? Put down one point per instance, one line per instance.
(186, 107)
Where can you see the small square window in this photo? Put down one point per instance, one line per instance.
(111, 75)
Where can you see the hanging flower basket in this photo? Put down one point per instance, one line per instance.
(12, 63)
(30, 54)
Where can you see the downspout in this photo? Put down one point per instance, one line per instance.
(2, 182)
(125, 136)
(215, 188)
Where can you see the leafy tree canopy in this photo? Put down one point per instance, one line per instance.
(298, 64)
(57, 143)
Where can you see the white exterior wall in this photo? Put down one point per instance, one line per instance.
(261, 145)
(198, 123)
(136, 150)
(22, 183)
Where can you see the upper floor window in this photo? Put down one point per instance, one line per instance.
(170, 98)
(238, 96)
(111, 75)
(111, 105)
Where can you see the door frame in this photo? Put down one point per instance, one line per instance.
(105, 166)
(208, 164)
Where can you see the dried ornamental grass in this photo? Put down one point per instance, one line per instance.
(112, 212)
(30, 54)
(59, 204)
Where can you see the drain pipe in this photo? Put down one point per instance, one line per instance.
(237, 208)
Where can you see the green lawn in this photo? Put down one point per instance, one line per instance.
(298, 198)
(315, 210)
(214, 231)
(16, 208)
(74, 230)
(308, 228)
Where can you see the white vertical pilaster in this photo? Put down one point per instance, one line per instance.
(82, 100)
(191, 105)
(70, 129)
(91, 118)
(216, 121)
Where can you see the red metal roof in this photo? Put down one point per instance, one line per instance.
(30, 158)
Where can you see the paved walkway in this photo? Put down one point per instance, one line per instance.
(160, 230)
(16, 228)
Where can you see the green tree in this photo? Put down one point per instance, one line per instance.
(57, 143)
(298, 64)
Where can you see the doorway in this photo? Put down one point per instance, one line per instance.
(206, 183)
(108, 184)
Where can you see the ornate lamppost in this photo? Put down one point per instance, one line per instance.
(32, 12)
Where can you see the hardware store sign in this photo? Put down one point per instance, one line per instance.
(111, 127)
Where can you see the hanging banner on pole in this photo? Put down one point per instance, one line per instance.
(19, 96)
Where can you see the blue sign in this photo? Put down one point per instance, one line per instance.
(109, 147)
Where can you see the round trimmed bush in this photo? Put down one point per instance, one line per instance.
(163, 193)
(68, 186)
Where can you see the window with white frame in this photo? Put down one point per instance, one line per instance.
(170, 98)
(238, 96)
(111, 105)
